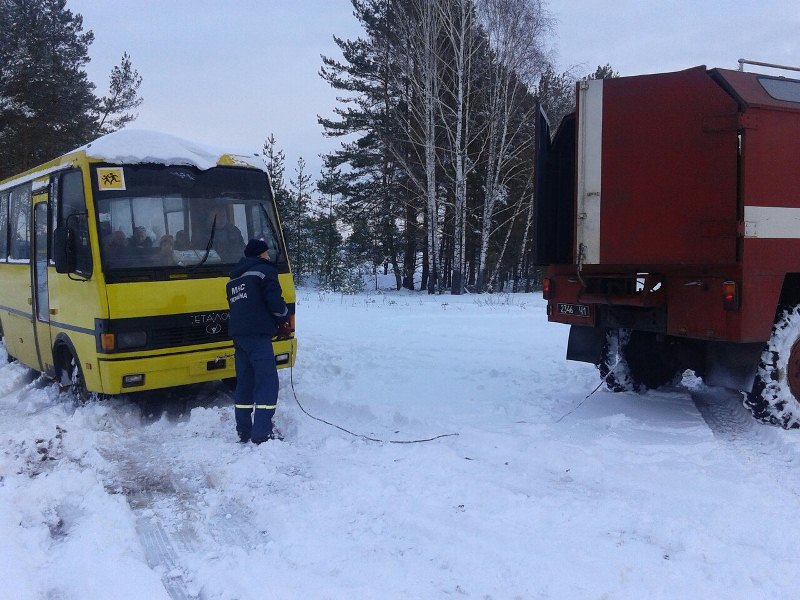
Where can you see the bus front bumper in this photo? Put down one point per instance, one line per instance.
(138, 373)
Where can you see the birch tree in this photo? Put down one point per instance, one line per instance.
(516, 31)
(419, 23)
(460, 33)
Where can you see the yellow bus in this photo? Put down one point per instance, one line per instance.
(114, 259)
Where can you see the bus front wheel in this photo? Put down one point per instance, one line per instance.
(71, 376)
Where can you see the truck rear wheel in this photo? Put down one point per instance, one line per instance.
(775, 397)
(614, 363)
(633, 361)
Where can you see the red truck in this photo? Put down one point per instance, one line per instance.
(668, 216)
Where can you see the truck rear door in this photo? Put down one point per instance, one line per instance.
(656, 171)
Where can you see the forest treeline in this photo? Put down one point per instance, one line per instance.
(433, 180)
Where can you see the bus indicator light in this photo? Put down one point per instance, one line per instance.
(107, 341)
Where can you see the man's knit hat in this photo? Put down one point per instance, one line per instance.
(255, 248)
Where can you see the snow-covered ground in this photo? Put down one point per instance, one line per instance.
(540, 495)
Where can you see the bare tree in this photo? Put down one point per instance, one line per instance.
(418, 68)
(462, 47)
(516, 31)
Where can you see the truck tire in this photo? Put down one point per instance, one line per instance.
(775, 397)
(614, 364)
(633, 361)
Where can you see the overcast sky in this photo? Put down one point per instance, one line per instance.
(229, 73)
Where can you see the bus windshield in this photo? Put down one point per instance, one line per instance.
(154, 217)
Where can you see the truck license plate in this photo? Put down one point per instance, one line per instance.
(574, 310)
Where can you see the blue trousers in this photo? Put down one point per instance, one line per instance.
(256, 394)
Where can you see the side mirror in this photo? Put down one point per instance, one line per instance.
(64, 253)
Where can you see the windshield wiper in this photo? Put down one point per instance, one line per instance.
(208, 246)
(272, 230)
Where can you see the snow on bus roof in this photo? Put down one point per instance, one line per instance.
(143, 146)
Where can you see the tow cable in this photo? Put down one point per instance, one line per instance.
(339, 427)
(347, 431)
(590, 394)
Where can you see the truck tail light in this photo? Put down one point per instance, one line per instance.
(548, 288)
(730, 295)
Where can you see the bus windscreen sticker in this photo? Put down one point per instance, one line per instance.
(110, 178)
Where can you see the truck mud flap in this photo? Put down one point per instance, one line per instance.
(732, 365)
(585, 344)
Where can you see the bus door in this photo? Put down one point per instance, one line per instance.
(41, 299)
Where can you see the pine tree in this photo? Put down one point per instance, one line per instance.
(373, 186)
(47, 103)
(48, 100)
(275, 160)
(295, 220)
(330, 185)
(556, 93)
(123, 97)
(604, 72)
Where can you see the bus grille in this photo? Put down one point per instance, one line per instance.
(187, 336)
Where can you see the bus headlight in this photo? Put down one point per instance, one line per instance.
(131, 339)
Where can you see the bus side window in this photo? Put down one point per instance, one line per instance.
(4, 227)
(72, 208)
(20, 225)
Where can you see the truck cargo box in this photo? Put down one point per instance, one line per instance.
(655, 175)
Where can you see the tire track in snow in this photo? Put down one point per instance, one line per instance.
(769, 449)
(182, 517)
(162, 556)
(163, 510)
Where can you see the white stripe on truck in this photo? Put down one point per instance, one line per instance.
(771, 222)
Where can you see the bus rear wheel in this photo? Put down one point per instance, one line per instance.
(775, 397)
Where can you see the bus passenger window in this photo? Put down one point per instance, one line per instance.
(4, 227)
(72, 213)
(20, 230)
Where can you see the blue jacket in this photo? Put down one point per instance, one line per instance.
(254, 297)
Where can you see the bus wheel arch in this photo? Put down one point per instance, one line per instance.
(9, 357)
(68, 371)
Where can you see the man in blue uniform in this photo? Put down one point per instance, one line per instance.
(257, 313)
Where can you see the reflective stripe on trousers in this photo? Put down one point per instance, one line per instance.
(256, 385)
